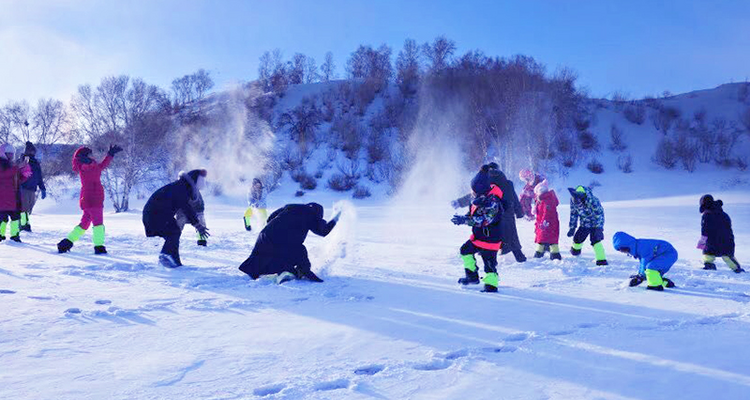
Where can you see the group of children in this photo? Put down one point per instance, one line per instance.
(19, 180)
(491, 203)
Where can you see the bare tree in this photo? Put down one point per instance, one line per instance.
(311, 71)
(265, 70)
(191, 88)
(18, 119)
(303, 122)
(328, 69)
(407, 68)
(50, 121)
(439, 53)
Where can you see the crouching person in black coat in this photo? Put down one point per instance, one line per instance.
(280, 247)
(178, 197)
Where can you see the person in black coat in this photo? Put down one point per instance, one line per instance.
(29, 188)
(512, 210)
(717, 238)
(280, 245)
(161, 208)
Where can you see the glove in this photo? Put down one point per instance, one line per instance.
(459, 219)
(203, 231)
(114, 149)
(44, 194)
(455, 204)
(702, 243)
(571, 232)
(336, 217)
(636, 280)
(545, 224)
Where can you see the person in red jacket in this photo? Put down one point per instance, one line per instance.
(92, 198)
(547, 224)
(11, 176)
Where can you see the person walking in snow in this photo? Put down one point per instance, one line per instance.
(484, 218)
(196, 203)
(91, 199)
(256, 202)
(280, 247)
(511, 210)
(584, 206)
(717, 238)
(177, 198)
(29, 188)
(656, 257)
(530, 179)
(12, 175)
(547, 226)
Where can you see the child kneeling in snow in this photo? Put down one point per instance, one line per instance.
(656, 256)
(484, 218)
(547, 225)
(717, 238)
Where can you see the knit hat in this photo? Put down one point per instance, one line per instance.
(481, 182)
(30, 149)
(541, 188)
(526, 175)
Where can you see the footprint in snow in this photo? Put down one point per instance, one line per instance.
(563, 332)
(455, 355)
(269, 390)
(369, 369)
(587, 325)
(502, 349)
(6, 291)
(73, 311)
(332, 385)
(518, 337)
(434, 365)
(40, 297)
(103, 302)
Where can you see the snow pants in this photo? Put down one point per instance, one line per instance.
(511, 243)
(172, 246)
(15, 223)
(709, 259)
(489, 258)
(28, 200)
(596, 235)
(90, 215)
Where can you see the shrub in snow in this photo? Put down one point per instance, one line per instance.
(308, 183)
(618, 139)
(742, 163)
(319, 174)
(595, 166)
(361, 192)
(665, 155)
(582, 124)
(687, 151)
(588, 141)
(743, 92)
(341, 183)
(625, 163)
(299, 193)
(635, 113)
(594, 184)
(664, 118)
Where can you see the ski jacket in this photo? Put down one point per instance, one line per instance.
(547, 226)
(160, 209)
(11, 178)
(716, 226)
(92, 191)
(256, 197)
(528, 197)
(36, 180)
(484, 218)
(653, 254)
(289, 225)
(589, 211)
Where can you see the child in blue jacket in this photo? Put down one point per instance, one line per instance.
(656, 256)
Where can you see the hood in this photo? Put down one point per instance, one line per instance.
(622, 239)
(549, 197)
(317, 209)
(708, 203)
(480, 184)
(82, 152)
(580, 192)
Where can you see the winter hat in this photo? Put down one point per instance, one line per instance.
(493, 165)
(82, 152)
(317, 209)
(578, 193)
(8, 148)
(30, 149)
(541, 188)
(707, 203)
(481, 182)
(526, 175)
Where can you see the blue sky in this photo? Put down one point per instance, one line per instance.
(48, 48)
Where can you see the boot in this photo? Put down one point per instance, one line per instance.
(308, 276)
(471, 278)
(100, 250)
(489, 289)
(709, 266)
(167, 261)
(668, 283)
(16, 238)
(738, 270)
(202, 243)
(575, 252)
(2, 238)
(538, 255)
(520, 257)
(659, 288)
(26, 228)
(64, 246)
(602, 262)
(555, 256)
(285, 276)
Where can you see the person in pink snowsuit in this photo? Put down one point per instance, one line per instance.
(527, 195)
(547, 226)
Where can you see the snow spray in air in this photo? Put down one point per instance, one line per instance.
(337, 245)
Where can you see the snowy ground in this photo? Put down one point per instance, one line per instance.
(390, 322)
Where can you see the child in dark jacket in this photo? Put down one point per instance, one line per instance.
(29, 188)
(717, 238)
(587, 209)
(547, 227)
(656, 257)
(484, 218)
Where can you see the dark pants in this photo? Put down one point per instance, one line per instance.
(489, 257)
(267, 260)
(595, 234)
(511, 243)
(172, 246)
(6, 216)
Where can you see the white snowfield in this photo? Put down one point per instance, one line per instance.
(389, 322)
